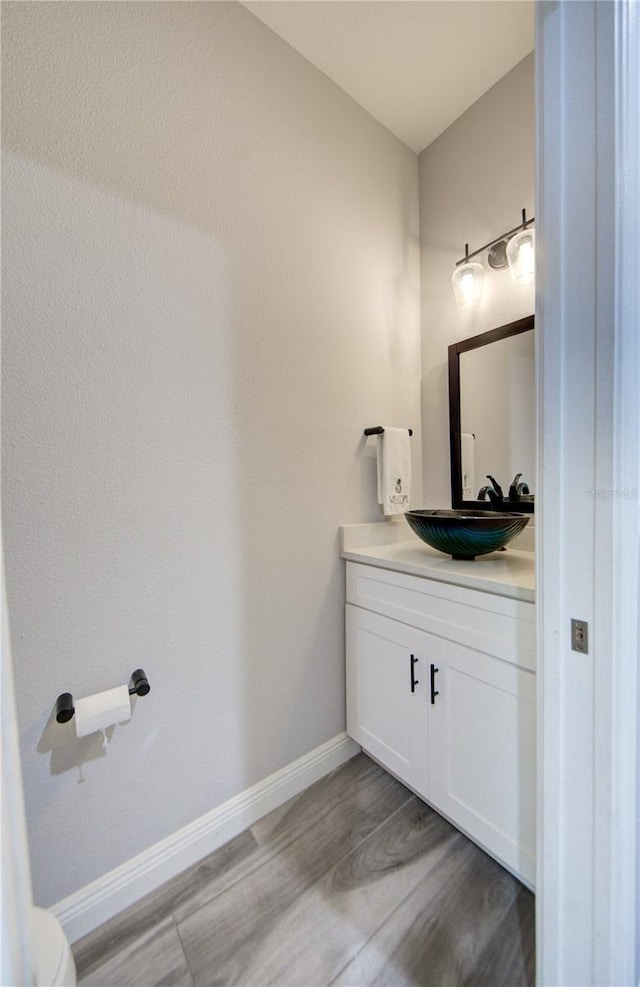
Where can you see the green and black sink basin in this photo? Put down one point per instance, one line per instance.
(465, 534)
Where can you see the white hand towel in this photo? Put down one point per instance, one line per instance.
(394, 470)
(468, 454)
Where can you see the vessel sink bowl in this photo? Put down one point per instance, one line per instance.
(465, 534)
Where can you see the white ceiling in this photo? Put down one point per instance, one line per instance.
(414, 65)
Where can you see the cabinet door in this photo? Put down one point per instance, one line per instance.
(387, 693)
(482, 741)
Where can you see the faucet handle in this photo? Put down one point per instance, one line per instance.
(518, 490)
(496, 486)
(514, 489)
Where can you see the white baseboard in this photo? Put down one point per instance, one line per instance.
(86, 909)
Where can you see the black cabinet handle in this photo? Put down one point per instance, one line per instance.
(414, 680)
(434, 691)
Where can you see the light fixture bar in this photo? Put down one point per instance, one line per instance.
(503, 236)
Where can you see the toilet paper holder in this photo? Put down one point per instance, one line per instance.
(139, 686)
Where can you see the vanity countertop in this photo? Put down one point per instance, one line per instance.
(392, 545)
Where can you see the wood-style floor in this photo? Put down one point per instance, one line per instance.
(353, 882)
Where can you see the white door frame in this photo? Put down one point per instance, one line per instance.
(588, 331)
(16, 959)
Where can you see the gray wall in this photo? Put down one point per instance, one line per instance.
(211, 285)
(475, 179)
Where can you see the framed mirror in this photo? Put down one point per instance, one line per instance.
(492, 417)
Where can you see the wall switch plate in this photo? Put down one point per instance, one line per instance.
(580, 636)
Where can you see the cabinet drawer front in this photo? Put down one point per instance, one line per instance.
(494, 625)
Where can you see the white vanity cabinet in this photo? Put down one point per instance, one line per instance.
(441, 691)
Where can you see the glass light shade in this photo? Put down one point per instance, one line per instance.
(521, 254)
(467, 285)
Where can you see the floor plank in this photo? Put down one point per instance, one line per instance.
(150, 912)
(154, 959)
(442, 933)
(222, 935)
(358, 779)
(310, 939)
(509, 959)
(328, 819)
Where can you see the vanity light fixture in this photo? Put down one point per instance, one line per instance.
(521, 255)
(514, 249)
(467, 283)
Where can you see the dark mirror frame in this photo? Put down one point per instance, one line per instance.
(472, 343)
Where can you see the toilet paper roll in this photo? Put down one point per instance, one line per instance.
(102, 710)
